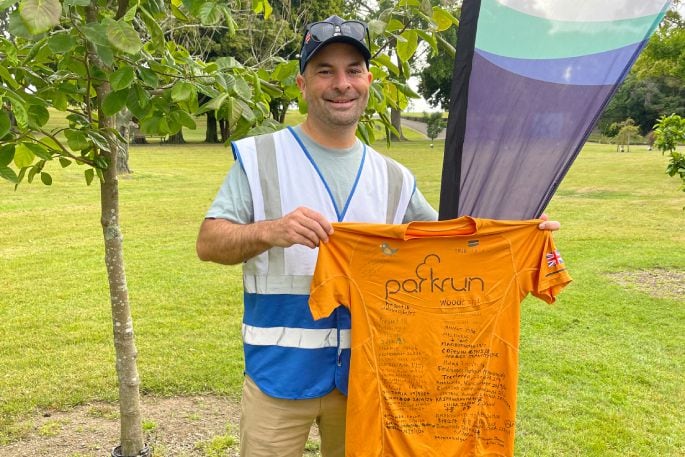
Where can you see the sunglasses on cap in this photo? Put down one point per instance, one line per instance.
(322, 31)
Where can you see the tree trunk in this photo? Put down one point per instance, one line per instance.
(396, 120)
(176, 138)
(124, 347)
(211, 136)
(224, 130)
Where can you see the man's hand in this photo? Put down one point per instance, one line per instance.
(301, 226)
(230, 243)
(548, 225)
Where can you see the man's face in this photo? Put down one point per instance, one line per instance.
(335, 85)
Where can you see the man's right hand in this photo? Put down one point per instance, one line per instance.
(226, 242)
(301, 226)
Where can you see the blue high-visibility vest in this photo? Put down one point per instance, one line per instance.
(287, 353)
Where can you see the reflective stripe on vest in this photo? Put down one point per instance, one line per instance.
(302, 338)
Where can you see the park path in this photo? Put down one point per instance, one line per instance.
(421, 127)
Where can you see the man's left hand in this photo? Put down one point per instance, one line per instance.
(548, 225)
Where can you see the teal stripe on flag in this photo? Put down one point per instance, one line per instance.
(507, 32)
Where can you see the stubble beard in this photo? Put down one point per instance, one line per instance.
(346, 118)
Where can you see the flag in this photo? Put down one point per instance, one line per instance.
(554, 258)
(530, 79)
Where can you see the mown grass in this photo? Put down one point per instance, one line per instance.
(601, 370)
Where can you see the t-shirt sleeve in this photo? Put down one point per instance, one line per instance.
(330, 285)
(552, 275)
(234, 199)
(419, 209)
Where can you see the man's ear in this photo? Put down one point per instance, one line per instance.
(300, 82)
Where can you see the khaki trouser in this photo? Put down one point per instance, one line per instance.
(273, 427)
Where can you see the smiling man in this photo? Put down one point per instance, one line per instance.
(272, 211)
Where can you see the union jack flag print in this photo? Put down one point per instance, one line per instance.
(554, 258)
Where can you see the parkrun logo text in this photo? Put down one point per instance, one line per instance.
(428, 281)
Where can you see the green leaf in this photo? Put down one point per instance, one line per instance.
(183, 118)
(7, 77)
(394, 25)
(246, 112)
(384, 59)
(210, 13)
(32, 172)
(443, 19)
(46, 178)
(6, 154)
(106, 54)
(9, 174)
(262, 6)
(124, 37)
(89, 174)
(64, 162)
(17, 27)
(77, 2)
(363, 131)
(430, 39)
(153, 28)
(406, 49)
(178, 14)
(213, 104)
(19, 111)
(130, 14)
(114, 102)
(4, 4)
(96, 33)
(224, 63)
(149, 77)
(40, 15)
(38, 116)
(376, 27)
(76, 140)
(122, 78)
(243, 89)
(5, 124)
(61, 42)
(39, 150)
(182, 91)
(98, 139)
(23, 157)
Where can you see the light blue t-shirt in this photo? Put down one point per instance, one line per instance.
(337, 166)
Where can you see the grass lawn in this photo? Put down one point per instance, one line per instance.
(601, 370)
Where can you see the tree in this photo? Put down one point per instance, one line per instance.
(434, 124)
(627, 131)
(669, 131)
(82, 57)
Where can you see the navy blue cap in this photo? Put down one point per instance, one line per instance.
(341, 32)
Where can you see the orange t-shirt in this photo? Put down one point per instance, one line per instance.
(435, 329)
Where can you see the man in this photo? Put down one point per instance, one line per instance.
(271, 213)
